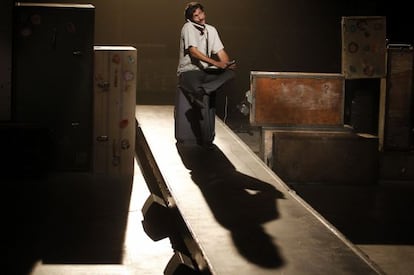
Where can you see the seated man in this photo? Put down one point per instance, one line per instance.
(199, 74)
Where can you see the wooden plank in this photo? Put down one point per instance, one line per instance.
(115, 70)
(399, 120)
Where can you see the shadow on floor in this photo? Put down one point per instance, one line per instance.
(240, 203)
(64, 218)
(365, 214)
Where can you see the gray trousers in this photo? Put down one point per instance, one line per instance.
(204, 85)
(203, 82)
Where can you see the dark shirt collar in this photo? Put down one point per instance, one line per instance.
(199, 27)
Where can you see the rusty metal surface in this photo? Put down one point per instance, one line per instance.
(296, 99)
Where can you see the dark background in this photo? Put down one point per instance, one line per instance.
(264, 35)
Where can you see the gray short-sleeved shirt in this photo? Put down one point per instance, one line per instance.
(193, 37)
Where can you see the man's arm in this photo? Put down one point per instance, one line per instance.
(222, 55)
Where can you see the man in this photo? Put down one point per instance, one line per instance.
(204, 66)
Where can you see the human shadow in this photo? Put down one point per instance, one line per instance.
(240, 203)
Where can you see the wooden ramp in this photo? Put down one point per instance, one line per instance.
(235, 215)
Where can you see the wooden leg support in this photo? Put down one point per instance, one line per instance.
(157, 221)
(180, 264)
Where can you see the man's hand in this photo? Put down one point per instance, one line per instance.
(231, 64)
(225, 64)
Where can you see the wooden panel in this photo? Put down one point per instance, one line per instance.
(266, 142)
(296, 99)
(53, 76)
(325, 157)
(399, 102)
(363, 47)
(397, 166)
(362, 98)
(6, 22)
(115, 69)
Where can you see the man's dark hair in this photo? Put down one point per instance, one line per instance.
(190, 9)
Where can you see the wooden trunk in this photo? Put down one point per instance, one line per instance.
(296, 99)
(363, 46)
(399, 125)
(325, 157)
(114, 110)
(53, 77)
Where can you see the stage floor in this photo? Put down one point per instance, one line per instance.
(73, 223)
(237, 215)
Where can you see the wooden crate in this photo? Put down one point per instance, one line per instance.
(363, 46)
(296, 99)
(115, 69)
(266, 138)
(325, 157)
(399, 119)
